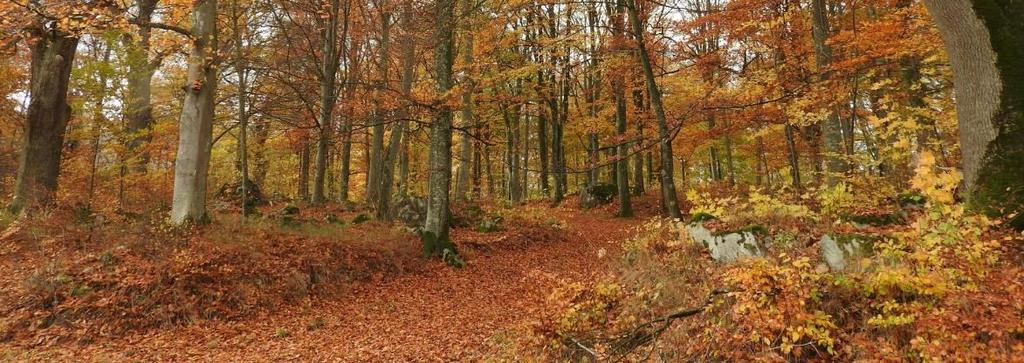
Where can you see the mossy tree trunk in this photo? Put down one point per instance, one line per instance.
(985, 43)
(440, 162)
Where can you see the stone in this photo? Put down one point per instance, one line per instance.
(411, 211)
(726, 247)
(597, 194)
(839, 251)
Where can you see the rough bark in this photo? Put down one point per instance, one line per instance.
(48, 112)
(985, 43)
(195, 126)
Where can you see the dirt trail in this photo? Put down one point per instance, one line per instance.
(440, 314)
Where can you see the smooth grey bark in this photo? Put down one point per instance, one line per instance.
(665, 138)
(440, 162)
(832, 129)
(512, 188)
(376, 162)
(638, 156)
(985, 43)
(242, 72)
(465, 140)
(138, 105)
(618, 84)
(195, 126)
(394, 147)
(328, 97)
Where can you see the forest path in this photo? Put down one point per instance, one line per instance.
(437, 314)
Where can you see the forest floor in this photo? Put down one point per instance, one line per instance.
(430, 313)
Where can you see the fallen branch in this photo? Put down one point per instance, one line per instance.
(646, 332)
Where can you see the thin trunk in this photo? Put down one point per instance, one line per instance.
(387, 175)
(618, 84)
(794, 158)
(243, 116)
(304, 155)
(328, 96)
(376, 162)
(665, 138)
(638, 157)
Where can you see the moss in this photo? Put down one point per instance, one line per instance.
(867, 242)
(756, 229)
(873, 219)
(434, 246)
(360, 218)
(910, 199)
(701, 217)
(1000, 188)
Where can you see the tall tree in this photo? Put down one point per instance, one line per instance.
(394, 148)
(985, 43)
(328, 75)
(832, 129)
(465, 139)
(668, 187)
(53, 53)
(139, 108)
(195, 126)
(376, 167)
(440, 161)
(618, 84)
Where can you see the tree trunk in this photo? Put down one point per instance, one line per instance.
(241, 72)
(53, 56)
(387, 175)
(304, 171)
(195, 127)
(985, 43)
(465, 141)
(618, 84)
(665, 138)
(794, 158)
(832, 129)
(328, 96)
(638, 157)
(376, 162)
(440, 162)
(138, 107)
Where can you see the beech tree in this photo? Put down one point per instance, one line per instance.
(985, 43)
(195, 126)
(440, 161)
